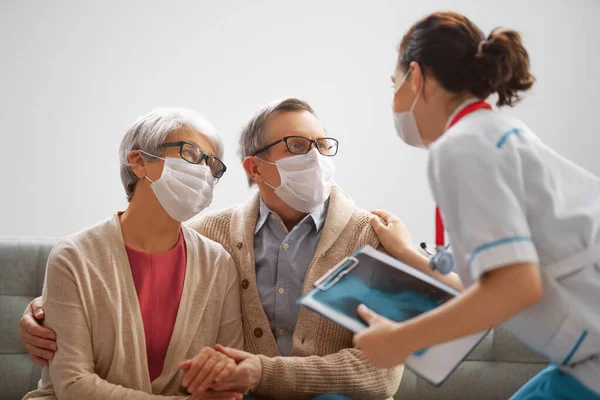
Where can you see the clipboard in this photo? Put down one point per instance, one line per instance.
(398, 292)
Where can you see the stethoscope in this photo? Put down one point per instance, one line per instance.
(441, 260)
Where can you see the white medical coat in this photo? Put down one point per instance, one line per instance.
(507, 198)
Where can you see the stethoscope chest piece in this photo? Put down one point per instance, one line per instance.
(442, 260)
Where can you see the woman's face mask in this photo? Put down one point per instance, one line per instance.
(183, 189)
(405, 122)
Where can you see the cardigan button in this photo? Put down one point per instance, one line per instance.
(245, 284)
(258, 332)
(240, 245)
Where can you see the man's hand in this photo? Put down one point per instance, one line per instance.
(246, 375)
(40, 342)
(204, 370)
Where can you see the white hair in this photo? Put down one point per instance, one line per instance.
(150, 131)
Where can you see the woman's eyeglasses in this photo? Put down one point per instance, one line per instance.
(192, 154)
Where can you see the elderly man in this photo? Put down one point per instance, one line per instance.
(286, 236)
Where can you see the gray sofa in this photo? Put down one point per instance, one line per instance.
(499, 366)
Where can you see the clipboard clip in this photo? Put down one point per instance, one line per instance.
(336, 273)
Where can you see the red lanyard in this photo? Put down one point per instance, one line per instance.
(439, 224)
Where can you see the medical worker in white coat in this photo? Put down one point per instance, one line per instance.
(523, 221)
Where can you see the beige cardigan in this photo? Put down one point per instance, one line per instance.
(322, 359)
(91, 304)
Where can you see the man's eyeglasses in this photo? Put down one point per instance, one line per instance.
(302, 145)
(192, 154)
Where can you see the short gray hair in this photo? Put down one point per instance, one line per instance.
(150, 131)
(252, 137)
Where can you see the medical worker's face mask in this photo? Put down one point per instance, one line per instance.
(306, 180)
(183, 189)
(405, 122)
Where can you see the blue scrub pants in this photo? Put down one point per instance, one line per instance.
(554, 384)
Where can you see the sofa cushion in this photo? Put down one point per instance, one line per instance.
(22, 270)
(472, 380)
(23, 265)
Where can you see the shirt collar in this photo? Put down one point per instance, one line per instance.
(317, 216)
(263, 214)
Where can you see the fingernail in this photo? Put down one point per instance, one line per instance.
(38, 313)
(51, 356)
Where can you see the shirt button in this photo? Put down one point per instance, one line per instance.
(281, 290)
(286, 246)
(258, 332)
(240, 245)
(245, 284)
(282, 332)
(273, 217)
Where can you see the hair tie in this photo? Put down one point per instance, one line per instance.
(480, 46)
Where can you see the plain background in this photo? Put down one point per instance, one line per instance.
(75, 74)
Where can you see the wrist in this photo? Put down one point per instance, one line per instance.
(406, 254)
(258, 373)
(404, 338)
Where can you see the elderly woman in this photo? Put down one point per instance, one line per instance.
(138, 300)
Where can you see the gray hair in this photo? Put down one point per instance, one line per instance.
(150, 131)
(252, 137)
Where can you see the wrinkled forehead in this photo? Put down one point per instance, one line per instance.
(293, 123)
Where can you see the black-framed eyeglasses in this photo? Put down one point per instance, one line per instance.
(192, 154)
(302, 145)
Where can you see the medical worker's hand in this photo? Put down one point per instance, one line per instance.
(206, 369)
(396, 239)
(40, 342)
(393, 234)
(382, 343)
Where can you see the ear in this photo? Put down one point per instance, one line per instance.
(416, 77)
(137, 163)
(251, 166)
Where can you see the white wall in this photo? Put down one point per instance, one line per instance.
(74, 75)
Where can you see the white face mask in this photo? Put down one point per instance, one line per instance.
(183, 189)
(405, 123)
(306, 180)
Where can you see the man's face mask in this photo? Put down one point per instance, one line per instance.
(306, 180)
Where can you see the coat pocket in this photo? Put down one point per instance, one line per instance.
(573, 342)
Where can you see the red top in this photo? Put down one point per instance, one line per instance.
(439, 224)
(158, 282)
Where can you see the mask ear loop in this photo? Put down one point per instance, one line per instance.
(399, 84)
(150, 155)
(418, 95)
(267, 162)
